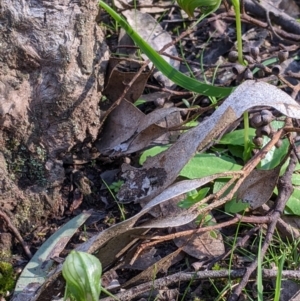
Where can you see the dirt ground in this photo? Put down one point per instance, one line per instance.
(72, 137)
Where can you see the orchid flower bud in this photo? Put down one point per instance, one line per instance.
(82, 273)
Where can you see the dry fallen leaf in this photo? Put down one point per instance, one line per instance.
(202, 245)
(117, 80)
(128, 130)
(248, 95)
(151, 31)
(258, 187)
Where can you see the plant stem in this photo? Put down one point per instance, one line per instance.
(246, 154)
(237, 10)
(238, 25)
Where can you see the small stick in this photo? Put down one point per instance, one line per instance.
(15, 231)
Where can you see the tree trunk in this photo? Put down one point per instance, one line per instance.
(52, 63)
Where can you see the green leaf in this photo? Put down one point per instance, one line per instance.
(203, 165)
(193, 197)
(174, 75)
(274, 156)
(206, 6)
(139, 102)
(219, 184)
(236, 151)
(235, 206)
(151, 152)
(293, 204)
(232, 206)
(296, 179)
(37, 270)
(236, 137)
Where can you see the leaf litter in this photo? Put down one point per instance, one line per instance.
(128, 130)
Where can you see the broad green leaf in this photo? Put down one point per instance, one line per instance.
(296, 179)
(203, 165)
(293, 204)
(206, 6)
(37, 269)
(218, 184)
(236, 137)
(274, 156)
(236, 150)
(235, 206)
(170, 72)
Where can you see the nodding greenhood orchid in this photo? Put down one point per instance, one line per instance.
(82, 272)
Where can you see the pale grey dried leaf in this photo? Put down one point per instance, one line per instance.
(248, 95)
(152, 97)
(150, 30)
(157, 116)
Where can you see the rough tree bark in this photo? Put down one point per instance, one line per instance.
(52, 61)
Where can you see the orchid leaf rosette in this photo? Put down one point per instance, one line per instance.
(206, 6)
(82, 273)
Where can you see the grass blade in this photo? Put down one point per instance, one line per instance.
(177, 77)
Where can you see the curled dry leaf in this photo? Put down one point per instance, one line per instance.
(128, 130)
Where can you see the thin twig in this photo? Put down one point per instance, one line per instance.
(16, 232)
(285, 189)
(191, 276)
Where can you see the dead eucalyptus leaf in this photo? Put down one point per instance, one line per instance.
(118, 79)
(248, 95)
(145, 259)
(151, 31)
(128, 130)
(258, 187)
(161, 266)
(201, 245)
